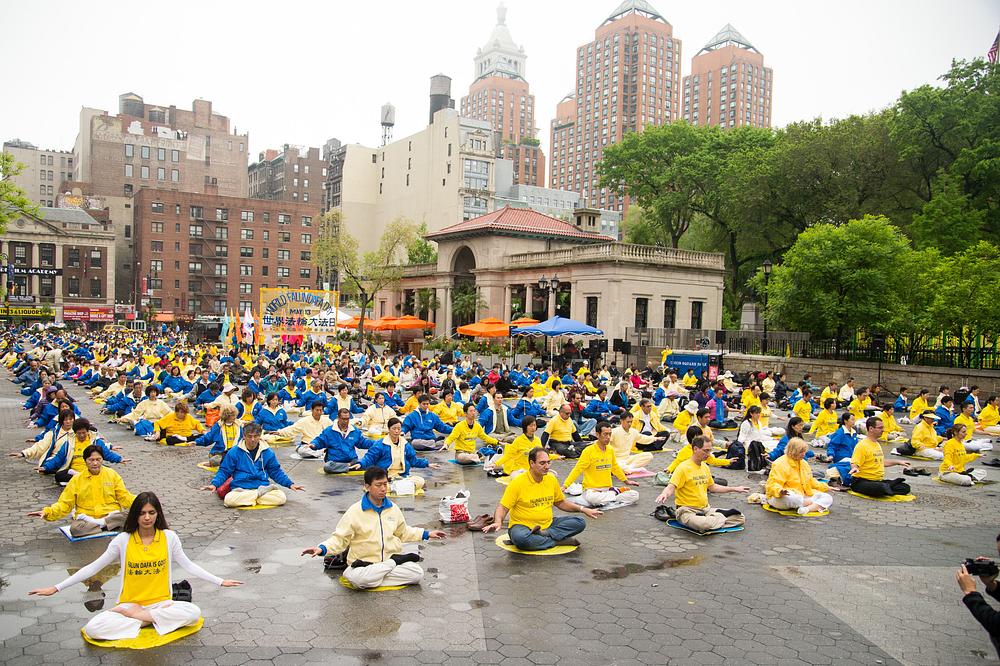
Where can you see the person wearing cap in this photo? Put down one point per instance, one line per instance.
(727, 381)
(684, 420)
(924, 439)
(227, 398)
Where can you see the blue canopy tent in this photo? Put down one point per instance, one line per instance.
(555, 327)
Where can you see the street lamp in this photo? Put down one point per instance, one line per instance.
(767, 278)
(547, 287)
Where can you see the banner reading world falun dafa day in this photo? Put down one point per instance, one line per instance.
(287, 311)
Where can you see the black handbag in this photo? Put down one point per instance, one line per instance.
(182, 591)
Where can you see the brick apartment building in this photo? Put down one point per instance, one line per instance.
(203, 254)
(295, 173)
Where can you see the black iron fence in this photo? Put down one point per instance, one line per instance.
(939, 351)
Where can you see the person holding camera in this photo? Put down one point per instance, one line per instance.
(985, 614)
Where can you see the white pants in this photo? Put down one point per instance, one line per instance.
(600, 496)
(167, 616)
(794, 500)
(635, 461)
(821, 442)
(956, 478)
(992, 430)
(977, 445)
(935, 454)
(265, 496)
(777, 432)
(384, 573)
(307, 451)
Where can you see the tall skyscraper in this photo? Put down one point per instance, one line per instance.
(628, 78)
(499, 94)
(728, 85)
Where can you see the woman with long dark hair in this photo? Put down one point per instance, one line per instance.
(146, 550)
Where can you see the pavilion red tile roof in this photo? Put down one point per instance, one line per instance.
(519, 221)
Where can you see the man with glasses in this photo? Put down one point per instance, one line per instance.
(529, 500)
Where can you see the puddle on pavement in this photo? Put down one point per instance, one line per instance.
(631, 568)
(91, 592)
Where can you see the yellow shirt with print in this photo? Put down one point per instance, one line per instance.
(146, 579)
(530, 503)
(691, 482)
(868, 458)
(597, 467)
(560, 430)
(464, 437)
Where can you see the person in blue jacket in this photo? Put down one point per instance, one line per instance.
(421, 424)
(902, 404)
(526, 406)
(67, 461)
(840, 448)
(396, 456)
(208, 395)
(796, 428)
(222, 436)
(252, 471)
(175, 382)
(946, 417)
(272, 416)
(602, 410)
(341, 441)
(392, 399)
(313, 395)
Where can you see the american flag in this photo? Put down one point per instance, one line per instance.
(991, 55)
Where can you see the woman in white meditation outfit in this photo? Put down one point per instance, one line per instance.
(146, 550)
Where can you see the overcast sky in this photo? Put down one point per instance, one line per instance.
(301, 72)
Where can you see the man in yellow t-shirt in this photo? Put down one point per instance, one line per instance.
(689, 486)
(529, 499)
(560, 434)
(597, 463)
(868, 465)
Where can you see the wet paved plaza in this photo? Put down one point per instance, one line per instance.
(873, 583)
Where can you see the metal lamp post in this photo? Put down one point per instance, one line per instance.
(767, 279)
(548, 287)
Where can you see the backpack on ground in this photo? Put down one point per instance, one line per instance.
(756, 457)
(737, 454)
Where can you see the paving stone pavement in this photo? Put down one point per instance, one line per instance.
(873, 583)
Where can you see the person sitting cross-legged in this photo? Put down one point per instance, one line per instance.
(421, 424)
(372, 532)
(597, 463)
(395, 455)
(97, 498)
(466, 435)
(868, 466)
(529, 499)
(307, 428)
(255, 473)
(791, 484)
(952, 469)
(514, 458)
(176, 427)
(689, 486)
(341, 442)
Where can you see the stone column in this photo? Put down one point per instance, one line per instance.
(447, 311)
(506, 302)
(440, 316)
(529, 299)
(551, 304)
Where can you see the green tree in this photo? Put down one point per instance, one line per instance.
(955, 129)
(837, 279)
(420, 250)
(654, 169)
(14, 202)
(466, 303)
(948, 222)
(362, 275)
(427, 302)
(964, 301)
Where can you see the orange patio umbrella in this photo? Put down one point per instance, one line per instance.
(485, 328)
(404, 323)
(524, 321)
(352, 322)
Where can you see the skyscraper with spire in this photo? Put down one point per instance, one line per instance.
(729, 85)
(628, 78)
(499, 94)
